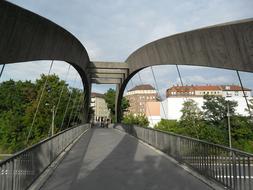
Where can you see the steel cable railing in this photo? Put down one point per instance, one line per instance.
(229, 167)
(22, 169)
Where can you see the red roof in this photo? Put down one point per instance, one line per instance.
(207, 88)
(142, 87)
(233, 88)
(95, 94)
(181, 88)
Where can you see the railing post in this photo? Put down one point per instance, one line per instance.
(13, 174)
(234, 170)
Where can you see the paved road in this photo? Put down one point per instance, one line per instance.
(107, 159)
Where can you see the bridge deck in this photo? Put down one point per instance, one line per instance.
(109, 159)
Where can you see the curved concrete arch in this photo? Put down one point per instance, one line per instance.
(26, 36)
(228, 46)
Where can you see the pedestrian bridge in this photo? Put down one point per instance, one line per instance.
(116, 158)
(109, 159)
(126, 157)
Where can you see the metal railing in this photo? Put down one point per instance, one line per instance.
(22, 169)
(229, 167)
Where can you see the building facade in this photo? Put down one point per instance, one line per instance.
(99, 106)
(138, 97)
(200, 91)
(176, 95)
(143, 100)
(153, 114)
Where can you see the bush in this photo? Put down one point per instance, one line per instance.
(167, 125)
(140, 120)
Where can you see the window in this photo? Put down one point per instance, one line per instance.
(228, 94)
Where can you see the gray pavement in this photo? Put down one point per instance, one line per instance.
(107, 159)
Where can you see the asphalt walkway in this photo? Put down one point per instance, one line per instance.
(107, 159)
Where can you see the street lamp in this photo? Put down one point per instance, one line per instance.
(49, 90)
(53, 116)
(229, 127)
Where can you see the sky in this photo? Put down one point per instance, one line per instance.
(111, 30)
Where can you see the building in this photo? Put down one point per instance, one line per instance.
(153, 113)
(99, 106)
(200, 91)
(176, 95)
(138, 96)
(143, 100)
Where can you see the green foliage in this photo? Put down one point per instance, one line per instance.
(12, 132)
(212, 133)
(140, 120)
(15, 97)
(216, 108)
(18, 103)
(191, 115)
(110, 100)
(190, 111)
(110, 96)
(167, 125)
(242, 133)
(212, 125)
(49, 99)
(202, 130)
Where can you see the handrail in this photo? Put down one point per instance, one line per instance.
(24, 167)
(199, 140)
(35, 145)
(229, 167)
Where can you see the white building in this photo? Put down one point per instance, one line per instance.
(176, 95)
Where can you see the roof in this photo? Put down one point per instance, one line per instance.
(208, 88)
(181, 88)
(95, 94)
(142, 87)
(233, 88)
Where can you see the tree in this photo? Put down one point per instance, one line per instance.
(191, 116)
(18, 104)
(110, 97)
(140, 120)
(50, 98)
(215, 108)
(242, 133)
(15, 96)
(167, 125)
(190, 112)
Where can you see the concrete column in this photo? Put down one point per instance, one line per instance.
(117, 110)
(86, 102)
